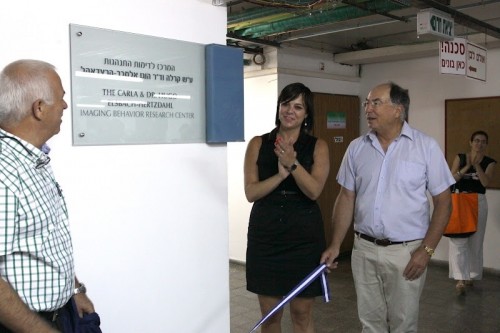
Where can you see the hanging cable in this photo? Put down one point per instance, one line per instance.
(285, 4)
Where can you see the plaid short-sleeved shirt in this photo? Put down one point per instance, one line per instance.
(36, 254)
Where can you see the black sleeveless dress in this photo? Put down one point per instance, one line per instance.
(285, 232)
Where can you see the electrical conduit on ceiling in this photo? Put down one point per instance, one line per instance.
(316, 17)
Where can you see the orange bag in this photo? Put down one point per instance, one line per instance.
(463, 219)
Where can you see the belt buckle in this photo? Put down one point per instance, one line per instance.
(382, 242)
(54, 316)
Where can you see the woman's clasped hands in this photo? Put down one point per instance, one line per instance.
(286, 154)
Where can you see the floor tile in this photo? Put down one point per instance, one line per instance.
(441, 310)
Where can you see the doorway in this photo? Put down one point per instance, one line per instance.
(336, 120)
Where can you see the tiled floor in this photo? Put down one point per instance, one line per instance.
(441, 310)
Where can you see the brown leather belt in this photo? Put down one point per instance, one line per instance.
(378, 241)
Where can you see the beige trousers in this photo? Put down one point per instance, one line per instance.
(387, 302)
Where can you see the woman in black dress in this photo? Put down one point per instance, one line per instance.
(285, 172)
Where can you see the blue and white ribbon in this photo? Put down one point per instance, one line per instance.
(318, 272)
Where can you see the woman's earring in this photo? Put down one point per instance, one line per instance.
(305, 122)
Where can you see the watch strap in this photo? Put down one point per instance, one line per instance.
(80, 289)
(293, 166)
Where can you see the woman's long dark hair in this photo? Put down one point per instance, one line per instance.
(291, 92)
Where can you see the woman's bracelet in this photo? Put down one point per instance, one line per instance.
(459, 173)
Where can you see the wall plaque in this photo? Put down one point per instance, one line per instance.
(135, 89)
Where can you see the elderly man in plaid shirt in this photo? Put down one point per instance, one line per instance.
(37, 272)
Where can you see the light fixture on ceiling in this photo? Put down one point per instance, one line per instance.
(218, 2)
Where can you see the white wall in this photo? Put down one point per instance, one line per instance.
(260, 109)
(149, 222)
(428, 90)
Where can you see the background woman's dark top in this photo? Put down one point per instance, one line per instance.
(285, 232)
(469, 182)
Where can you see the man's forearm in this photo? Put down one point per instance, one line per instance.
(342, 216)
(439, 219)
(16, 315)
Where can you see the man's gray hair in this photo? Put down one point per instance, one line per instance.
(22, 82)
(400, 96)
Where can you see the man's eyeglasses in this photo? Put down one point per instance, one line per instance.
(374, 103)
(480, 141)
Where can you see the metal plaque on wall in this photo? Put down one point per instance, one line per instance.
(135, 89)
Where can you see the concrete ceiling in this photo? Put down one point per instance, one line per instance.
(356, 32)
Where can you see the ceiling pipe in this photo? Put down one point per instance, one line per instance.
(374, 11)
(305, 36)
(373, 24)
(263, 14)
(251, 14)
(257, 41)
(317, 18)
(280, 37)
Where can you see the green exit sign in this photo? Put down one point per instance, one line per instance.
(436, 23)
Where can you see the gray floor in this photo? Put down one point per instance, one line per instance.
(441, 310)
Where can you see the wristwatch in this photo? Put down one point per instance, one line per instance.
(293, 166)
(429, 250)
(80, 290)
